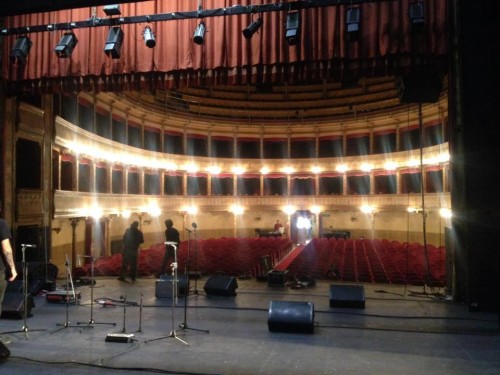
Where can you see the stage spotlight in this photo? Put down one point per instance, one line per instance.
(66, 45)
(199, 33)
(112, 10)
(292, 28)
(149, 37)
(21, 49)
(114, 42)
(353, 16)
(252, 28)
(417, 16)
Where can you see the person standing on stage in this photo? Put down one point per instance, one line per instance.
(132, 238)
(171, 235)
(6, 260)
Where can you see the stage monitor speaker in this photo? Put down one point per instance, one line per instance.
(352, 296)
(291, 316)
(221, 285)
(276, 278)
(13, 306)
(4, 353)
(163, 287)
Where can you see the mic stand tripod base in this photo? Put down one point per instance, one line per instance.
(172, 334)
(184, 326)
(63, 326)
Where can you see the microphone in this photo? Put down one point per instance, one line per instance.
(194, 225)
(189, 230)
(28, 245)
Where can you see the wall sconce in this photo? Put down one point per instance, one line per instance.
(57, 230)
(366, 209)
(237, 210)
(445, 213)
(66, 45)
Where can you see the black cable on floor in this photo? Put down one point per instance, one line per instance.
(141, 369)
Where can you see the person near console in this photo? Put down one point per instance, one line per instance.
(171, 235)
(7, 266)
(278, 226)
(132, 238)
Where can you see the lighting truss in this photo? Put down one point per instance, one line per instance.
(175, 16)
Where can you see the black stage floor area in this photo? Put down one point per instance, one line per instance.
(400, 330)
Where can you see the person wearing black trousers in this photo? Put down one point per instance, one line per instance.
(132, 238)
(171, 235)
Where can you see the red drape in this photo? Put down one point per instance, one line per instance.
(226, 57)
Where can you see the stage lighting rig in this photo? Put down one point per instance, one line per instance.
(149, 37)
(66, 45)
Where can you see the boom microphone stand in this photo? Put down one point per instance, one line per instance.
(91, 320)
(184, 324)
(172, 334)
(195, 258)
(69, 281)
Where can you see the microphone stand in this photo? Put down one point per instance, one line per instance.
(91, 320)
(195, 260)
(69, 280)
(184, 324)
(172, 334)
(25, 292)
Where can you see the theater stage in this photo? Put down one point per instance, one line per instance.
(401, 330)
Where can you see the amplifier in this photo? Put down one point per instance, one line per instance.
(61, 296)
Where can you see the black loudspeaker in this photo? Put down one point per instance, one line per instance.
(288, 316)
(13, 306)
(4, 353)
(221, 285)
(163, 287)
(15, 286)
(352, 296)
(419, 87)
(276, 278)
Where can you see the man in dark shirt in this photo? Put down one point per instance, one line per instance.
(132, 238)
(171, 235)
(6, 260)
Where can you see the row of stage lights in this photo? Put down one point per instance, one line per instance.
(114, 41)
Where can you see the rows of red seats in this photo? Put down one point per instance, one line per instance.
(230, 256)
(373, 261)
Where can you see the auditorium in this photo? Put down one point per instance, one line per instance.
(329, 168)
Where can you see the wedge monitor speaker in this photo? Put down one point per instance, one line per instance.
(291, 316)
(351, 296)
(221, 285)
